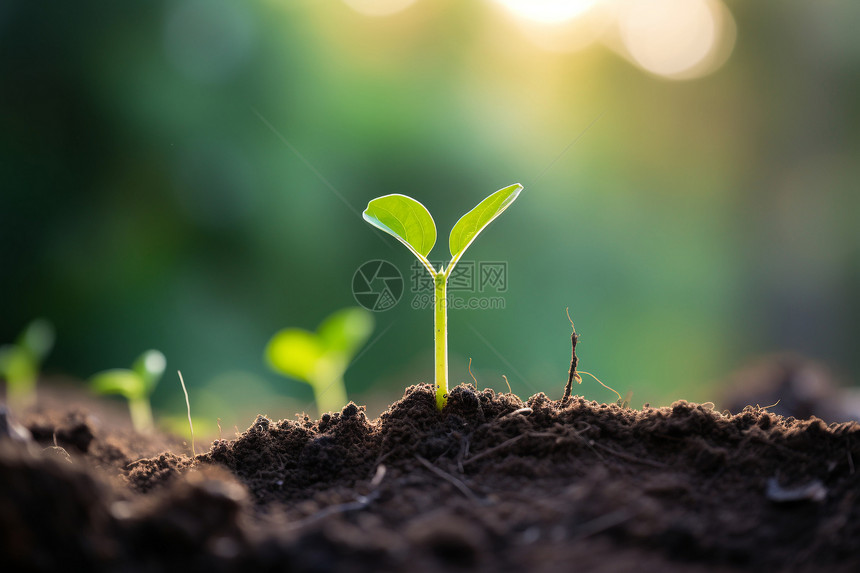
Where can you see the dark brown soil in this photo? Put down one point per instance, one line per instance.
(490, 484)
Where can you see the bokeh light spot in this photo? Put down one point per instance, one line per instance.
(379, 7)
(571, 35)
(671, 38)
(548, 11)
(155, 362)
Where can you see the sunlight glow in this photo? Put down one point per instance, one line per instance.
(674, 38)
(548, 11)
(378, 7)
(571, 35)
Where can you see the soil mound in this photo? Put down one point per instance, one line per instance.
(489, 484)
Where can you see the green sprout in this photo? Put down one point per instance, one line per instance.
(135, 384)
(321, 358)
(410, 222)
(20, 362)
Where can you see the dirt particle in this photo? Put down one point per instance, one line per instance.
(451, 541)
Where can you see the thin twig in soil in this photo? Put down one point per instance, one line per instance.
(494, 449)
(602, 523)
(571, 375)
(378, 476)
(524, 411)
(627, 457)
(190, 423)
(360, 503)
(450, 479)
(464, 451)
(621, 401)
(382, 457)
(517, 438)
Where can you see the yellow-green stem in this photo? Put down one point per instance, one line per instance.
(141, 414)
(21, 391)
(329, 394)
(441, 331)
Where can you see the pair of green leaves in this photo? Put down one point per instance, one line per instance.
(20, 361)
(135, 383)
(411, 223)
(298, 353)
(321, 358)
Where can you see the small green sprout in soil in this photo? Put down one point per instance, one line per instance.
(20, 362)
(135, 384)
(321, 358)
(410, 222)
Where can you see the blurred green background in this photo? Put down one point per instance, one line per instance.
(189, 175)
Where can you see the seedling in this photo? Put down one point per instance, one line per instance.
(20, 362)
(321, 358)
(410, 222)
(135, 384)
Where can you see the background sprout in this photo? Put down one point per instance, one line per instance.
(20, 362)
(411, 223)
(321, 358)
(135, 384)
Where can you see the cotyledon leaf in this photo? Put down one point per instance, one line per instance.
(119, 381)
(38, 338)
(405, 219)
(150, 367)
(473, 222)
(296, 353)
(345, 331)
